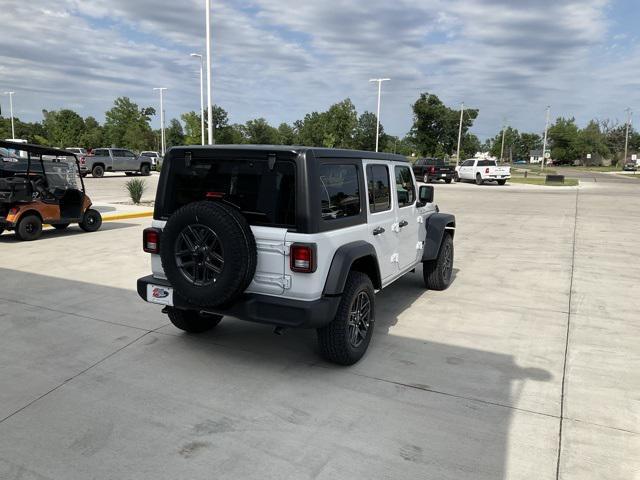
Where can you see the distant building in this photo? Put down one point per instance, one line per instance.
(535, 156)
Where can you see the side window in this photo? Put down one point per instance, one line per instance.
(339, 191)
(101, 153)
(378, 188)
(129, 154)
(404, 186)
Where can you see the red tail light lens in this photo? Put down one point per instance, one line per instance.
(302, 258)
(151, 240)
(486, 170)
(432, 170)
(82, 161)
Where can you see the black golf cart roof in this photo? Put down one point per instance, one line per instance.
(38, 150)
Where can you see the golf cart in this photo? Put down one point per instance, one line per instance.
(36, 191)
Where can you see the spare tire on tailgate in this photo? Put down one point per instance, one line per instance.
(208, 253)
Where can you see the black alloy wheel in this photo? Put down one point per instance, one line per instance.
(199, 255)
(359, 319)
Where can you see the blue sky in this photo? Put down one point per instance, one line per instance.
(280, 59)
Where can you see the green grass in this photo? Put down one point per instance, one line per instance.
(598, 169)
(568, 182)
(136, 188)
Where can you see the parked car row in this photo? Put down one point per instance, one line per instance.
(103, 160)
(473, 169)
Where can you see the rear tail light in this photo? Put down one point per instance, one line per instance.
(302, 258)
(151, 240)
(432, 170)
(82, 161)
(486, 170)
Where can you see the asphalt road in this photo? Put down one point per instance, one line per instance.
(525, 368)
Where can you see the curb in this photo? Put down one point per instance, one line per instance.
(126, 216)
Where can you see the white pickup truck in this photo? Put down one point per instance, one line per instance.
(481, 171)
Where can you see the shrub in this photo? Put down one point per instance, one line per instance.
(136, 188)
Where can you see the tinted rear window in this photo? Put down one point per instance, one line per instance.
(265, 196)
(486, 163)
(435, 161)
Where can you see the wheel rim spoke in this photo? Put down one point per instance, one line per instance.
(199, 255)
(359, 319)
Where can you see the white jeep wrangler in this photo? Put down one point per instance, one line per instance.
(292, 237)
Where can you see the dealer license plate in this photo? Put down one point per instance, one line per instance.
(159, 294)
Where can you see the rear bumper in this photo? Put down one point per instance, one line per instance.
(282, 312)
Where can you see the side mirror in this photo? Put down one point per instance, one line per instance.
(426, 194)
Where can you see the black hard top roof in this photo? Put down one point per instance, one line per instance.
(36, 149)
(317, 151)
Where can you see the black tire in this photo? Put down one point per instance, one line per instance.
(437, 273)
(447, 180)
(145, 170)
(479, 180)
(501, 182)
(250, 242)
(91, 221)
(61, 226)
(215, 270)
(334, 340)
(191, 321)
(97, 171)
(29, 228)
(456, 177)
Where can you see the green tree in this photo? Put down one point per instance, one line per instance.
(310, 131)
(563, 138)
(128, 126)
(511, 142)
(469, 146)
(527, 143)
(63, 128)
(592, 141)
(174, 135)
(259, 131)
(435, 126)
(365, 132)
(192, 128)
(286, 134)
(93, 135)
(341, 121)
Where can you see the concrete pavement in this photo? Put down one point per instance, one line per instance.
(526, 368)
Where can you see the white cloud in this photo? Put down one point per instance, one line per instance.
(282, 58)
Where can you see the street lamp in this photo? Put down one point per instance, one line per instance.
(379, 80)
(197, 55)
(13, 130)
(208, 34)
(626, 136)
(459, 134)
(163, 144)
(544, 142)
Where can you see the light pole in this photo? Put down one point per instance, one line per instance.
(13, 130)
(197, 55)
(626, 136)
(210, 109)
(459, 134)
(544, 142)
(504, 128)
(379, 80)
(163, 145)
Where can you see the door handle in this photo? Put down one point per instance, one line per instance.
(378, 230)
(403, 223)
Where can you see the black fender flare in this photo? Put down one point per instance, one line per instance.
(436, 225)
(342, 262)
